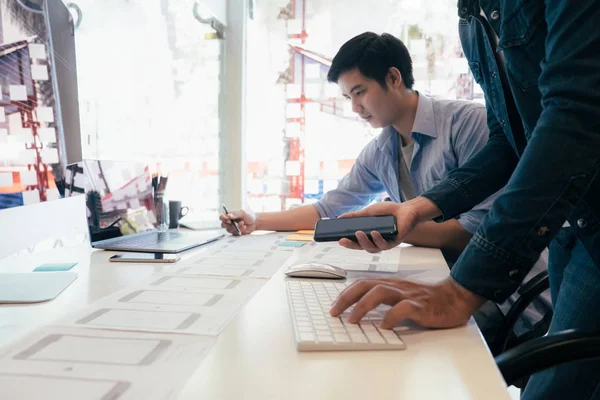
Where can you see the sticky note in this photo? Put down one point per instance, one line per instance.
(26, 157)
(6, 179)
(50, 155)
(39, 72)
(45, 114)
(47, 135)
(31, 197)
(300, 238)
(292, 244)
(51, 267)
(305, 232)
(23, 135)
(28, 177)
(37, 51)
(52, 194)
(17, 92)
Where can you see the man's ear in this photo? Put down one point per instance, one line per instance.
(394, 77)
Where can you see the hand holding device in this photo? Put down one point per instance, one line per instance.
(329, 230)
(406, 216)
(145, 258)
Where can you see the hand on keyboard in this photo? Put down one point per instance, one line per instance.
(442, 305)
(316, 330)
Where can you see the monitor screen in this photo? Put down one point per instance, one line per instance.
(39, 116)
(119, 196)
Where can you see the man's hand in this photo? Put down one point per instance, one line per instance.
(246, 222)
(406, 219)
(443, 305)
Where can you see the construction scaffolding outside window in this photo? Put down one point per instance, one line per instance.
(302, 136)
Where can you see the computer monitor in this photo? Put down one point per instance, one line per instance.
(39, 111)
(119, 196)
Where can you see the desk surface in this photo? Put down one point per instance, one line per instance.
(255, 355)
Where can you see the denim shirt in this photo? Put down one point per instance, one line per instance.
(446, 134)
(551, 54)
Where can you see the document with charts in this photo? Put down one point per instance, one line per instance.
(170, 303)
(61, 363)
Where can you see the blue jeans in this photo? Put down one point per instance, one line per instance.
(575, 290)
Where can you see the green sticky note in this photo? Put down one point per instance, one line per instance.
(55, 267)
(290, 243)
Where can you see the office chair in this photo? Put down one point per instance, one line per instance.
(549, 351)
(505, 336)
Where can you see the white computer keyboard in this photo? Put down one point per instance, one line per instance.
(317, 330)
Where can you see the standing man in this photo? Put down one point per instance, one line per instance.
(550, 158)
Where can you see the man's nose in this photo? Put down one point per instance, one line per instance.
(356, 106)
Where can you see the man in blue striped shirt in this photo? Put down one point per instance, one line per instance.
(433, 137)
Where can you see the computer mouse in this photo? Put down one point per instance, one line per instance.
(316, 270)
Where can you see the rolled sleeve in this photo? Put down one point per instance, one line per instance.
(324, 210)
(357, 189)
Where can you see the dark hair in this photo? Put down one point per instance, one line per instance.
(373, 55)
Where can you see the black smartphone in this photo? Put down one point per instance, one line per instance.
(145, 258)
(329, 230)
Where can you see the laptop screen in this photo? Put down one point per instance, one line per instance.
(118, 196)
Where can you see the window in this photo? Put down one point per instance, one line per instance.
(149, 83)
(302, 135)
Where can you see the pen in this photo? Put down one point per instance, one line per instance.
(232, 221)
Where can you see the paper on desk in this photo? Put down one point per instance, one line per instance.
(228, 267)
(351, 260)
(232, 261)
(69, 363)
(403, 257)
(170, 303)
(256, 243)
(255, 259)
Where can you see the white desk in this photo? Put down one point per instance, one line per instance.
(255, 356)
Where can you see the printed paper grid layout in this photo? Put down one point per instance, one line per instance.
(64, 363)
(350, 260)
(114, 349)
(247, 256)
(199, 305)
(394, 260)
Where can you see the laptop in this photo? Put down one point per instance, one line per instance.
(120, 209)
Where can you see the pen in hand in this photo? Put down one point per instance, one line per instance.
(237, 229)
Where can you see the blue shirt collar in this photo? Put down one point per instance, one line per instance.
(424, 119)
